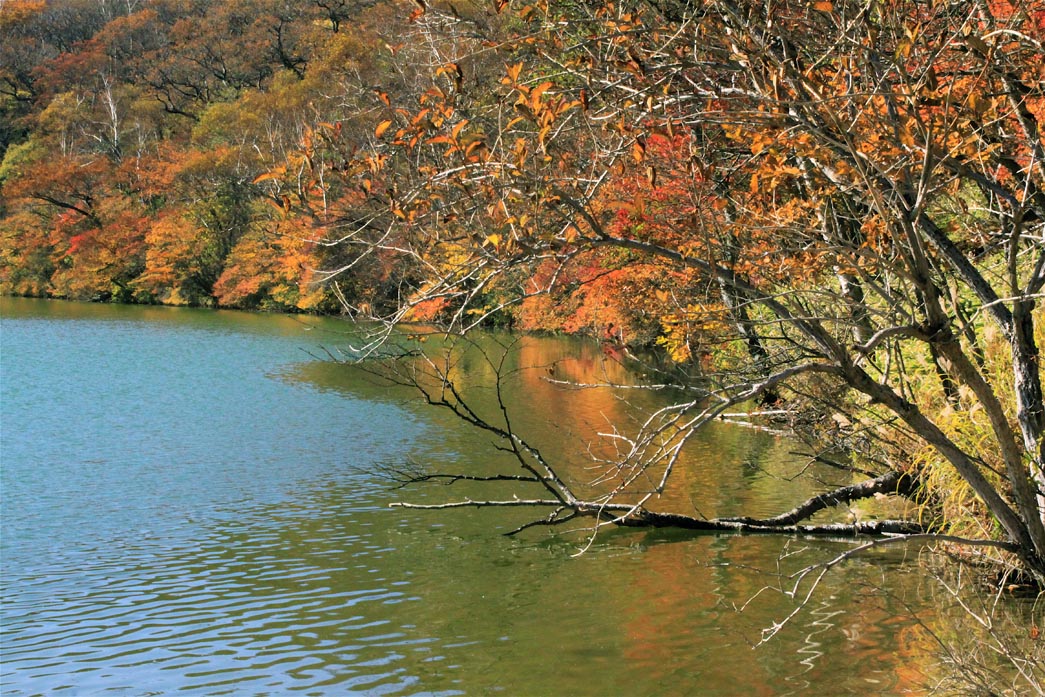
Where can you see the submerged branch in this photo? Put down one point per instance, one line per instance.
(470, 503)
(865, 527)
(641, 518)
(404, 479)
(892, 482)
(822, 568)
(555, 518)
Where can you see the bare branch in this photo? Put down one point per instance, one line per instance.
(893, 482)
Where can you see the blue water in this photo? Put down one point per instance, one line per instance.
(143, 453)
(193, 416)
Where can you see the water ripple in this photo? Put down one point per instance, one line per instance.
(222, 614)
(178, 522)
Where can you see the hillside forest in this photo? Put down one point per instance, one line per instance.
(136, 135)
(207, 153)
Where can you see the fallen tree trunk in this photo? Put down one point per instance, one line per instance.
(863, 527)
(892, 482)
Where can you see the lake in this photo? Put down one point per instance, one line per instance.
(193, 504)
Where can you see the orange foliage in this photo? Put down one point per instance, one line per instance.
(171, 112)
(26, 262)
(17, 11)
(172, 248)
(271, 269)
(100, 262)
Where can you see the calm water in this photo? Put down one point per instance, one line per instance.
(190, 507)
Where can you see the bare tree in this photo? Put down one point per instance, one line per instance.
(862, 182)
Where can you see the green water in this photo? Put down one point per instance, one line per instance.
(190, 506)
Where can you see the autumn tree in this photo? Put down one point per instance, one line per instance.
(854, 189)
(128, 124)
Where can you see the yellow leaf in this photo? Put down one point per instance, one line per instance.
(638, 151)
(977, 103)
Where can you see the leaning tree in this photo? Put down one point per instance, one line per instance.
(845, 198)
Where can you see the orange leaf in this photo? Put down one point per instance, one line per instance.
(381, 128)
(513, 71)
(535, 95)
(638, 151)
(266, 176)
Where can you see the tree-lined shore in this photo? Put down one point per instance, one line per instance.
(133, 135)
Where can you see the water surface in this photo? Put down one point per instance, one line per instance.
(191, 506)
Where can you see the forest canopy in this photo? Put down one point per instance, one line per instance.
(133, 135)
